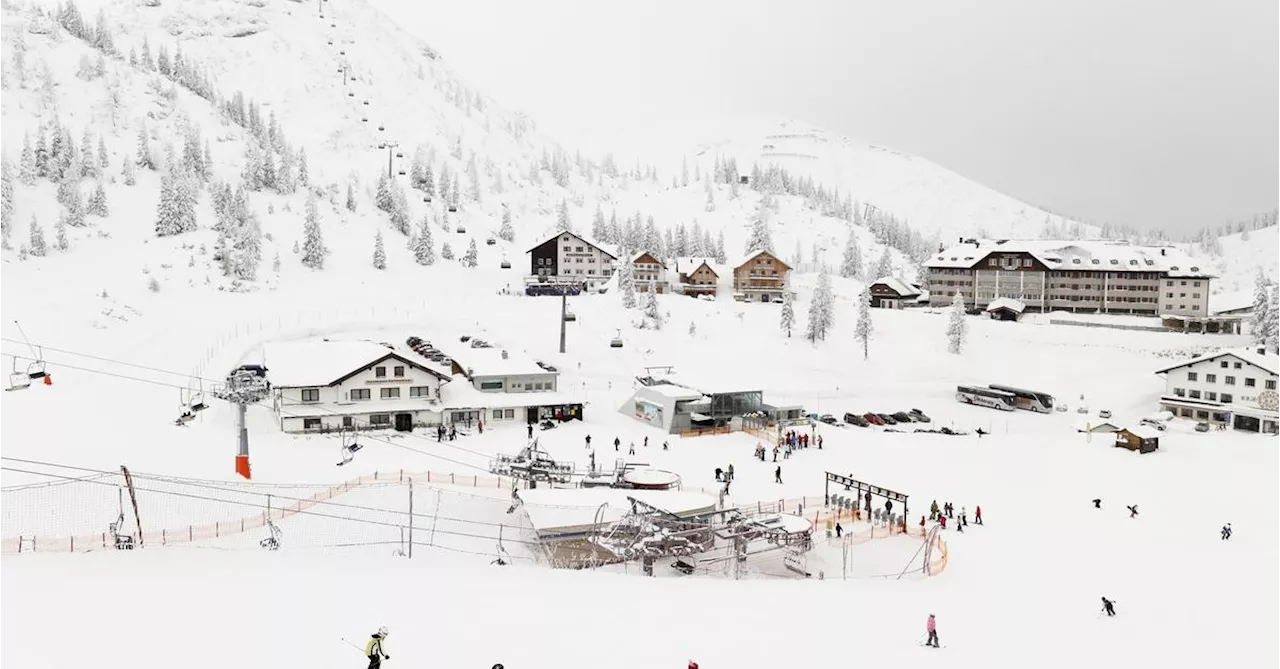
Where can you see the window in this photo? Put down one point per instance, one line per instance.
(420, 391)
(1183, 283)
(1181, 295)
(1169, 295)
(1230, 380)
(1202, 414)
(1237, 365)
(1211, 396)
(389, 393)
(348, 422)
(380, 419)
(1195, 283)
(1270, 384)
(358, 394)
(1180, 392)
(1186, 413)
(380, 372)
(1195, 394)
(1223, 364)
(310, 394)
(398, 370)
(491, 385)
(1225, 398)
(1192, 376)
(1250, 383)
(311, 423)
(1210, 378)
(1168, 283)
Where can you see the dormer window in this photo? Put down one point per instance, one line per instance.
(1133, 262)
(1150, 262)
(1195, 269)
(1115, 262)
(1095, 261)
(1174, 268)
(1075, 261)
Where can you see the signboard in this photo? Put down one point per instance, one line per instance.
(649, 412)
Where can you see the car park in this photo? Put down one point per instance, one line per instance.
(873, 419)
(828, 419)
(903, 417)
(920, 416)
(888, 420)
(1202, 427)
(855, 419)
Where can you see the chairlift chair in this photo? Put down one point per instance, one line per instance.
(198, 403)
(453, 208)
(401, 172)
(399, 154)
(349, 448)
(272, 542)
(342, 53)
(617, 340)
(426, 198)
(365, 119)
(18, 380)
(382, 127)
(506, 264)
(36, 371)
(366, 102)
(462, 229)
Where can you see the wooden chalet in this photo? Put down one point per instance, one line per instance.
(1142, 439)
(696, 276)
(649, 270)
(893, 293)
(760, 277)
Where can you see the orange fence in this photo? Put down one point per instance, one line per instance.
(231, 526)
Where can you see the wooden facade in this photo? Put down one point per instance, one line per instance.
(892, 294)
(647, 269)
(544, 259)
(701, 281)
(762, 277)
(1137, 440)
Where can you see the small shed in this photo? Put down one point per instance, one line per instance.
(1103, 426)
(1141, 438)
(1005, 309)
(893, 293)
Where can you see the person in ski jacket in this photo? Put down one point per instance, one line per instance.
(1133, 511)
(964, 516)
(933, 510)
(932, 627)
(942, 520)
(1226, 531)
(375, 649)
(1108, 606)
(528, 427)
(977, 515)
(777, 474)
(1097, 503)
(616, 443)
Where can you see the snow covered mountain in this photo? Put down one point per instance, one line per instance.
(930, 198)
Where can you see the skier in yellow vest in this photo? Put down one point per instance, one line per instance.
(374, 648)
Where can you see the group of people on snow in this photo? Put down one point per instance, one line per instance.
(941, 514)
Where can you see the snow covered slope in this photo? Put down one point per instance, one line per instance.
(1243, 255)
(932, 199)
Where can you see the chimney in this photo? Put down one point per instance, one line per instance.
(1262, 350)
(1162, 251)
(504, 354)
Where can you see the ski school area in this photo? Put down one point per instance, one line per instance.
(613, 526)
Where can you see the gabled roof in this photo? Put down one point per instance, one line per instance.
(691, 265)
(496, 362)
(1268, 362)
(899, 286)
(1142, 432)
(607, 249)
(1009, 303)
(654, 258)
(748, 257)
(1091, 255)
(302, 364)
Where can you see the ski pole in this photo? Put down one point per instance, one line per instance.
(344, 640)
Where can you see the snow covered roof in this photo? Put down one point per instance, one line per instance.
(297, 364)
(1265, 361)
(899, 286)
(608, 249)
(560, 509)
(636, 258)
(463, 395)
(1088, 425)
(1009, 303)
(1091, 255)
(495, 362)
(748, 257)
(675, 392)
(1143, 432)
(1235, 301)
(691, 265)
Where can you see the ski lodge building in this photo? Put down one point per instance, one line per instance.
(1235, 387)
(569, 258)
(1112, 277)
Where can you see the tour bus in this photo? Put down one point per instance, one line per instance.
(987, 397)
(1029, 399)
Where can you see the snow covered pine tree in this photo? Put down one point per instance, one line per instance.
(956, 326)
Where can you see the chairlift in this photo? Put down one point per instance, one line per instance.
(198, 403)
(122, 542)
(462, 229)
(330, 42)
(453, 208)
(570, 317)
(617, 340)
(18, 380)
(382, 146)
(426, 198)
(272, 542)
(399, 154)
(382, 127)
(366, 102)
(506, 264)
(401, 172)
(36, 371)
(490, 241)
(365, 119)
(351, 94)
(349, 447)
(342, 52)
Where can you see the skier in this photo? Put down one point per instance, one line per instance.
(616, 443)
(921, 524)
(1097, 504)
(839, 530)
(529, 427)
(480, 426)
(729, 471)
(453, 432)
(977, 515)
(693, 665)
(933, 510)
(964, 516)
(719, 474)
(374, 649)
(979, 432)
(646, 441)
(633, 449)
(942, 520)
(819, 442)
(1226, 531)
(588, 441)
(1108, 606)
(932, 626)
(664, 444)
(1133, 511)
(960, 526)
(777, 474)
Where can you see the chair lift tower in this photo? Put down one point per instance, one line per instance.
(244, 387)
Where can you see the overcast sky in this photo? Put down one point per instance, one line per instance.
(1156, 113)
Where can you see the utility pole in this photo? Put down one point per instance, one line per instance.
(391, 153)
(410, 519)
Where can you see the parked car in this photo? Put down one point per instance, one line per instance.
(903, 417)
(855, 419)
(1105, 413)
(920, 416)
(872, 418)
(1060, 407)
(1082, 409)
(1151, 422)
(1202, 427)
(888, 420)
(828, 419)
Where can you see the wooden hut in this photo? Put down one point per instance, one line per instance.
(1141, 438)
